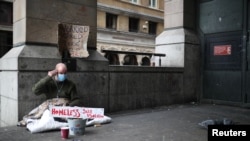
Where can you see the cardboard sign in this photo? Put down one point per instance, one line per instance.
(222, 50)
(73, 39)
(76, 112)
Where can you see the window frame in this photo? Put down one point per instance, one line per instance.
(133, 27)
(134, 1)
(130, 60)
(7, 8)
(152, 27)
(153, 3)
(111, 21)
(6, 44)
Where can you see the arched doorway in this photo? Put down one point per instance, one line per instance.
(113, 59)
(130, 60)
(145, 61)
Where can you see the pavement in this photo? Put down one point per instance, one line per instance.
(169, 123)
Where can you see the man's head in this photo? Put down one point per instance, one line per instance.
(61, 72)
(61, 68)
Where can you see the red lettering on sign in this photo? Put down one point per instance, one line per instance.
(87, 111)
(92, 116)
(77, 112)
(66, 112)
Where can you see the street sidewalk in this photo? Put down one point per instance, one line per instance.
(170, 123)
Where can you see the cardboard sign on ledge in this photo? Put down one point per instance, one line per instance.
(76, 112)
(73, 39)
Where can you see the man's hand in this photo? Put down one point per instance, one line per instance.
(52, 73)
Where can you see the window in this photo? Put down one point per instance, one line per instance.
(134, 1)
(153, 3)
(113, 59)
(5, 42)
(111, 21)
(6, 13)
(133, 25)
(145, 61)
(130, 60)
(152, 27)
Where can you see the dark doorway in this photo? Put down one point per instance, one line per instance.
(145, 61)
(130, 60)
(113, 59)
(224, 29)
(222, 72)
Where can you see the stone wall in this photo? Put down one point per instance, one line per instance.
(144, 87)
(116, 88)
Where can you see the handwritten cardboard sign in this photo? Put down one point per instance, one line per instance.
(73, 39)
(76, 112)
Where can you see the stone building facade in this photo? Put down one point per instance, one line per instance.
(32, 50)
(192, 37)
(128, 26)
(99, 84)
(124, 26)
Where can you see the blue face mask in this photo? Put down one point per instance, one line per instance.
(61, 77)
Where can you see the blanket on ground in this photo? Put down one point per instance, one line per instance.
(40, 118)
(47, 123)
(37, 112)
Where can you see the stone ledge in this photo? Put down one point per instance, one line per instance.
(144, 69)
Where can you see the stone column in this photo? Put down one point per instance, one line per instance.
(180, 43)
(35, 50)
(179, 32)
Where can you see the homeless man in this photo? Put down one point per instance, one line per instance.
(59, 91)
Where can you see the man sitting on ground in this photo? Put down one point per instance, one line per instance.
(59, 91)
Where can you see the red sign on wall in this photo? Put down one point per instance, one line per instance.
(222, 50)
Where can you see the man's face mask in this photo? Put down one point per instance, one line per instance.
(61, 77)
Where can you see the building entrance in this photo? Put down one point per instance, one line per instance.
(225, 50)
(222, 77)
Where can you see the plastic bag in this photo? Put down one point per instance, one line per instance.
(223, 121)
(94, 121)
(46, 123)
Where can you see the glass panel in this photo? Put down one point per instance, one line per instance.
(152, 28)
(215, 16)
(133, 24)
(5, 42)
(153, 3)
(6, 13)
(111, 21)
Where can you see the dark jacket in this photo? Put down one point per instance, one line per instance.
(52, 89)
